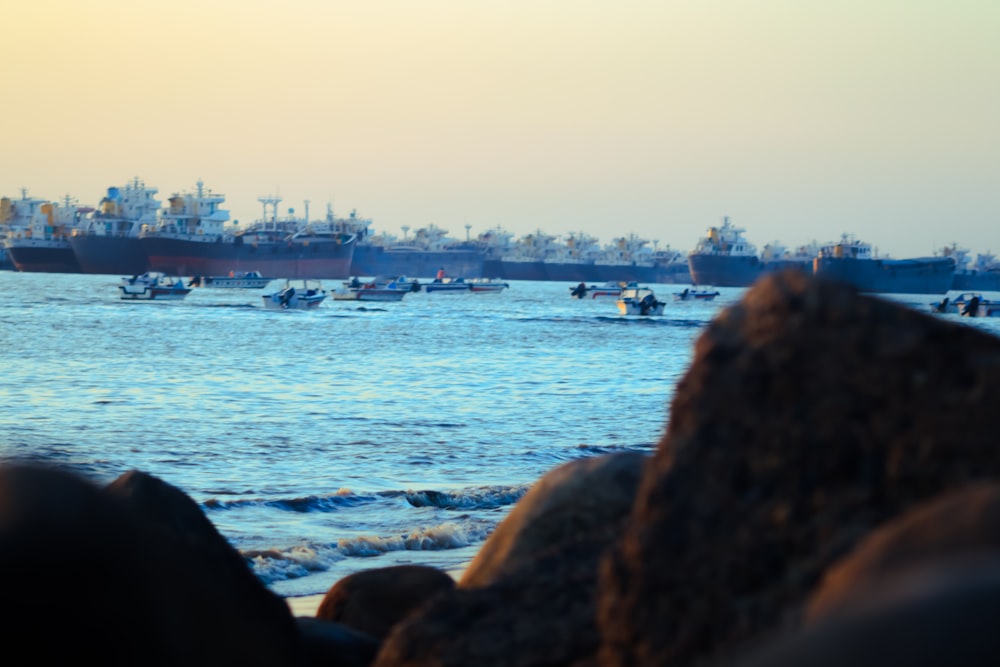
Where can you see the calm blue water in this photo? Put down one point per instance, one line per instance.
(353, 436)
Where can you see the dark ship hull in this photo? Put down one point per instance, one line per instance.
(374, 260)
(533, 270)
(675, 273)
(115, 255)
(724, 270)
(571, 271)
(41, 257)
(976, 281)
(312, 258)
(923, 275)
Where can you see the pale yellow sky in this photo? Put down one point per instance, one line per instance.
(800, 119)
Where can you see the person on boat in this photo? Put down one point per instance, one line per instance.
(647, 304)
(286, 296)
(684, 294)
(440, 275)
(355, 282)
(942, 305)
(972, 308)
(579, 291)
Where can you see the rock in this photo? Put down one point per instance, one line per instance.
(954, 531)
(530, 597)
(540, 615)
(373, 601)
(944, 617)
(810, 415)
(572, 501)
(211, 585)
(94, 577)
(329, 644)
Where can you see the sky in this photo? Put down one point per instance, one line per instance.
(801, 120)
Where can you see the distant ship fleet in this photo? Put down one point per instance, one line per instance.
(131, 231)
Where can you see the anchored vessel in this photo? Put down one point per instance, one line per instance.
(420, 255)
(852, 261)
(191, 239)
(38, 231)
(983, 275)
(108, 241)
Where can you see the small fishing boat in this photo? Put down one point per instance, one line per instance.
(447, 285)
(635, 300)
(610, 289)
(380, 289)
(486, 285)
(153, 286)
(967, 304)
(235, 280)
(696, 294)
(296, 294)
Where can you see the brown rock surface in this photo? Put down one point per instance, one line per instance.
(532, 592)
(955, 531)
(810, 415)
(92, 577)
(574, 500)
(373, 601)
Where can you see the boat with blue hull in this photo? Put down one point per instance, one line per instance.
(853, 262)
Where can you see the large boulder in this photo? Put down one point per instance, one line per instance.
(811, 414)
(211, 587)
(373, 601)
(528, 599)
(95, 575)
(957, 530)
(580, 498)
(944, 616)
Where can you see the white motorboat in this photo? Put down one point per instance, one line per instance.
(610, 289)
(380, 289)
(967, 304)
(640, 301)
(296, 294)
(696, 294)
(153, 286)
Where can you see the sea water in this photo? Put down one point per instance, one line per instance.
(352, 436)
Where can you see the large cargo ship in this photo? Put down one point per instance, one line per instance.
(525, 258)
(852, 261)
(191, 239)
(108, 241)
(575, 260)
(37, 233)
(421, 255)
(724, 258)
(983, 275)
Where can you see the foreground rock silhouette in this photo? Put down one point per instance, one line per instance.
(810, 416)
(792, 514)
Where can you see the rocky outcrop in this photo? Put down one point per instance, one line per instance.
(528, 598)
(135, 575)
(810, 415)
